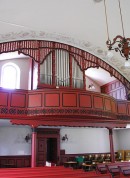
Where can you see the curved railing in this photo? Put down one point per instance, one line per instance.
(62, 103)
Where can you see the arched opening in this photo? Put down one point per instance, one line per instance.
(10, 76)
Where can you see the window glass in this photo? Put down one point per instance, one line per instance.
(10, 76)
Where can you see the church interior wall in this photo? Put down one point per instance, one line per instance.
(80, 140)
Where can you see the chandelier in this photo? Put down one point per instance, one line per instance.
(120, 43)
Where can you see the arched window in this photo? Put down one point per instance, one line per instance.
(10, 76)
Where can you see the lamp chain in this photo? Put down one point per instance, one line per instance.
(106, 20)
(121, 18)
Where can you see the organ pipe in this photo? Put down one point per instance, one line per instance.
(62, 70)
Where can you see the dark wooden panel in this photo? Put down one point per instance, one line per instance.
(128, 106)
(35, 100)
(114, 89)
(41, 151)
(122, 109)
(85, 101)
(11, 161)
(41, 143)
(69, 100)
(15, 161)
(52, 99)
(98, 102)
(3, 99)
(19, 163)
(27, 162)
(107, 103)
(113, 104)
(18, 100)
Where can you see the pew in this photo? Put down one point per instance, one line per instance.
(115, 169)
(101, 169)
(125, 170)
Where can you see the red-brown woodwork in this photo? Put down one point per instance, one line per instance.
(111, 146)
(122, 108)
(18, 100)
(33, 155)
(69, 100)
(15, 161)
(41, 151)
(32, 72)
(56, 106)
(70, 69)
(38, 50)
(107, 104)
(4, 98)
(84, 75)
(48, 139)
(53, 68)
(114, 106)
(35, 100)
(114, 89)
(128, 107)
(52, 100)
(98, 102)
(85, 101)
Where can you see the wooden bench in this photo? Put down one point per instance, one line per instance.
(113, 169)
(101, 168)
(125, 170)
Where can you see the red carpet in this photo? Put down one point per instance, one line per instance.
(48, 172)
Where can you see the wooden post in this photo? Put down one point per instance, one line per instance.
(33, 156)
(111, 146)
(53, 69)
(70, 70)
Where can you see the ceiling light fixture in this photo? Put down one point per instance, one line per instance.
(120, 43)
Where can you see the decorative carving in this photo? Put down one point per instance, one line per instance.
(85, 59)
(86, 46)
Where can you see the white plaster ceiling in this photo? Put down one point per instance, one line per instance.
(99, 75)
(77, 22)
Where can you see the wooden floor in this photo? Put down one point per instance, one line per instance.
(49, 172)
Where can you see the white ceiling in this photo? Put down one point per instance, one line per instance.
(77, 22)
(99, 75)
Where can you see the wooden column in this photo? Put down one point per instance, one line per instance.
(32, 73)
(70, 69)
(53, 69)
(38, 67)
(84, 76)
(33, 156)
(84, 80)
(111, 146)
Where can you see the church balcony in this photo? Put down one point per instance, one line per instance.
(62, 107)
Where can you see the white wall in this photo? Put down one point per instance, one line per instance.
(89, 82)
(24, 65)
(12, 141)
(116, 140)
(124, 139)
(80, 140)
(85, 140)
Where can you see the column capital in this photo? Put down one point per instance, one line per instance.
(34, 129)
(110, 131)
